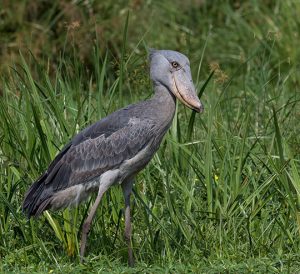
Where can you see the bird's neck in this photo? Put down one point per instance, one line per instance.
(165, 102)
(164, 96)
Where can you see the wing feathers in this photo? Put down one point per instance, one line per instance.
(81, 161)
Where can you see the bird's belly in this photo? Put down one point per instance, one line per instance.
(74, 195)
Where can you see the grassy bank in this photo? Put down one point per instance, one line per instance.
(222, 195)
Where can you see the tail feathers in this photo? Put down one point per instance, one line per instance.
(37, 198)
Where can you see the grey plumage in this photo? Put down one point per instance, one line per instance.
(102, 146)
(117, 147)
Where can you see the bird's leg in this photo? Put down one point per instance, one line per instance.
(127, 188)
(87, 223)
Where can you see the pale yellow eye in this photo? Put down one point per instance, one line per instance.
(174, 64)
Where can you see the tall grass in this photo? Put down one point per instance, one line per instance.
(223, 192)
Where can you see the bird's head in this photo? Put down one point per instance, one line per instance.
(172, 70)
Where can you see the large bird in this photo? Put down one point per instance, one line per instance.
(113, 150)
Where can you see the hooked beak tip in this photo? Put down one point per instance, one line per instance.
(199, 108)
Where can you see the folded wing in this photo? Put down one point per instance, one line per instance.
(91, 153)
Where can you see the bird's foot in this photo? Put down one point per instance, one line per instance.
(130, 262)
(82, 259)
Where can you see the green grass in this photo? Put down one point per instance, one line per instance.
(222, 195)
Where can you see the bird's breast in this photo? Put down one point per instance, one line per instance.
(138, 162)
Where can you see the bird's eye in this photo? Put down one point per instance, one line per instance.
(174, 64)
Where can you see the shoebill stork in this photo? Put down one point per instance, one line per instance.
(113, 150)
